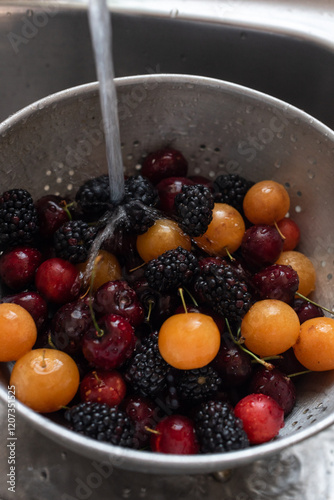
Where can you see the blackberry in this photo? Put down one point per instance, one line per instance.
(198, 385)
(140, 188)
(94, 195)
(72, 241)
(224, 290)
(217, 428)
(138, 217)
(147, 370)
(18, 218)
(99, 421)
(172, 269)
(231, 189)
(194, 206)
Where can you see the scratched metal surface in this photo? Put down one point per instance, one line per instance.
(46, 471)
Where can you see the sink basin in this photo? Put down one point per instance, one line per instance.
(285, 49)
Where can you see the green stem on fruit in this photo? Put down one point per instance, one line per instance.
(150, 307)
(279, 231)
(299, 373)
(191, 296)
(51, 344)
(182, 299)
(239, 342)
(230, 256)
(314, 303)
(269, 358)
(65, 206)
(153, 431)
(138, 267)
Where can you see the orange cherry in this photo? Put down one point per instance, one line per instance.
(106, 268)
(45, 379)
(314, 348)
(18, 332)
(266, 202)
(189, 340)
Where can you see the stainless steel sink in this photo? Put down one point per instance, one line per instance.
(283, 48)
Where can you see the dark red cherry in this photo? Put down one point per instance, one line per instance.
(51, 214)
(34, 303)
(144, 413)
(275, 384)
(69, 324)
(18, 267)
(291, 232)
(175, 434)
(117, 297)
(278, 282)
(111, 347)
(288, 363)
(232, 364)
(100, 386)
(168, 189)
(305, 310)
(199, 179)
(58, 281)
(261, 246)
(164, 163)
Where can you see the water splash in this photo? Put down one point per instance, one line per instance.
(100, 29)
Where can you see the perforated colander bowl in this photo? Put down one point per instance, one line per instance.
(52, 146)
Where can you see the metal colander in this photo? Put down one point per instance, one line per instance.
(52, 146)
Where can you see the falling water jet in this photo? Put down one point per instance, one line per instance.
(100, 29)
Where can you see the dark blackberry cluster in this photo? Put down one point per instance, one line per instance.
(18, 218)
(147, 370)
(93, 196)
(194, 206)
(217, 428)
(223, 289)
(73, 240)
(198, 385)
(231, 189)
(99, 421)
(138, 217)
(172, 269)
(140, 188)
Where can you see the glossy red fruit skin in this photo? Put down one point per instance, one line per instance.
(261, 416)
(199, 179)
(232, 364)
(117, 297)
(69, 324)
(111, 349)
(57, 280)
(50, 215)
(167, 190)
(290, 230)
(164, 163)
(101, 386)
(18, 267)
(278, 282)
(176, 435)
(275, 384)
(144, 413)
(261, 246)
(305, 310)
(32, 302)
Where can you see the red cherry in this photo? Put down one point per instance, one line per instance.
(291, 233)
(51, 214)
(144, 413)
(168, 189)
(164, 163)
(32, 302)
(18, 266)
(101, 386)
(175, 434)
(261, 416)
(261, 246)
(199, 179)
(117, 297)
(58, 281)
(110, 348)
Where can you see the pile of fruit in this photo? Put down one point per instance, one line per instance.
(182, 332)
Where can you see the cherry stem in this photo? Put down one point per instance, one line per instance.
(191, 296)
(66, 206)
(50, 343)
(43, 364)
(150, 307)
(299, 373)
(279, 231)
(153, 431)
(239, 342)
(183, 301)
(138, 267)
(314, 303)
(229, 254)
(268, 358)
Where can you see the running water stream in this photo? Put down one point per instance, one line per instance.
(101, 34)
